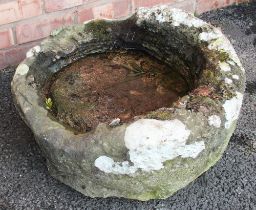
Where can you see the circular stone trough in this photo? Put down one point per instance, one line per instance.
(152, 153)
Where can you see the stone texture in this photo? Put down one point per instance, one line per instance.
(71, 158)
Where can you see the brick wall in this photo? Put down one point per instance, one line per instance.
(24, 23)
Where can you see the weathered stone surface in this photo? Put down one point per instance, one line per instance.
(166, 149)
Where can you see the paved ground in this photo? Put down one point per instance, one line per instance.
(231, 184)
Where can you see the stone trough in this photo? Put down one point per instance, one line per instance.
(154, 152)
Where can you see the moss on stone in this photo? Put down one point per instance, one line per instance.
(227, 91)
(99, 28)
(160, 115)
(223, 56)
(210, 77)
(196, 103)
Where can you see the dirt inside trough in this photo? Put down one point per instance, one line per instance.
(102, 87)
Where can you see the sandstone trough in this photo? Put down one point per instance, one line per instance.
(135, 108)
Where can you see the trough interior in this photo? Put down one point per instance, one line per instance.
(121, 84)
(126, 70)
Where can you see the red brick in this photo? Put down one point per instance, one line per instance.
(3, 62)
(20, 9)
(10, 12)
(37, 29)
(6, 38)
(241, 1)
(150, 3)
(85, 14)
(186, 5)
(205, 5)
(15, 55)
(55, 5)
(30, 8)
(103, 11)
(122, 8)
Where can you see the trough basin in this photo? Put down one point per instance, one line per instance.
(135, 108)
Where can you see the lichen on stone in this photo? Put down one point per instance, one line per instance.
(227, 92)
(236, 77)
(228, 81)
(33, 51)
(232, 108)
(163, 14)
(22, 69)
(209, 105)
(214, 120)
(225, 67)
(223, 44)
(209, 36)
(150, 143)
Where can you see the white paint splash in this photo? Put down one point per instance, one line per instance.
(33, 51)
(232, 108)
(228, 81)
(151, 143)
(215, 121)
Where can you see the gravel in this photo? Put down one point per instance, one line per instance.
(230, 184)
